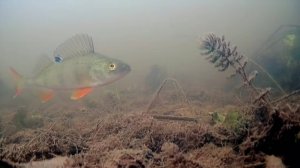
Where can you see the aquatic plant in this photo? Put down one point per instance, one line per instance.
(280, 54)
(236, 122)
(217, 118)
(272, 124)
(223, 55)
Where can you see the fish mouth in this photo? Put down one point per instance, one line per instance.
(124, 69)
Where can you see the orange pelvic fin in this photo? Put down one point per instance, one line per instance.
(18, 80)
(46, 95)
(80, 93)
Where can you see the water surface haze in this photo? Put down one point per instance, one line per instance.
(141, 33)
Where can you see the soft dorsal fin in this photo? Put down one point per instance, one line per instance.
(78, 45)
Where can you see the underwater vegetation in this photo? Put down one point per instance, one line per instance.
(280, 54)
(273, 124)
(223, 55)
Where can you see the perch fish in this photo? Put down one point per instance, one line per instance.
(76, 67)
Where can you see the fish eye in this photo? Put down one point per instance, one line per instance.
(112, 66)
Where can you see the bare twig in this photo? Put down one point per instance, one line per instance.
(177, 118)
(268, 74)
(286, 96)
(259, 164)
(157, 93)
(262, 95)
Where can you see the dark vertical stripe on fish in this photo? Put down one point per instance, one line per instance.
(78, 73)
(62, 76)
(48, 78)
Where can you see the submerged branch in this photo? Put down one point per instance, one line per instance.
(157, 93)
(287, 96)
(177, 118)
(269, 75)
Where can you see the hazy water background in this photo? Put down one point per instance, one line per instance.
(141, 33)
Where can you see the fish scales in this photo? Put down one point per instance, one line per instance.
(74, 66)
(72, 73)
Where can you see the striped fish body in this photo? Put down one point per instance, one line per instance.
(81, 71)
(74, 66)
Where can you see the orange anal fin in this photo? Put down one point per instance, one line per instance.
(46, 95)
(80, 93)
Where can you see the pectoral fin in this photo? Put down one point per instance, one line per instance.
(80, 93)
(46, 95)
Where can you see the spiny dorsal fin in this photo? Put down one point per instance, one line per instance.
(78, 45)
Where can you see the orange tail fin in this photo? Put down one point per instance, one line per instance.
(19, 81)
